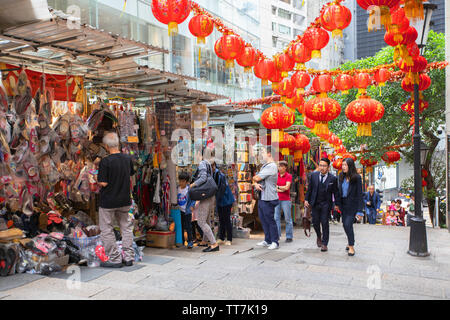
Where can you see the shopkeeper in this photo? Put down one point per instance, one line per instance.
(114, 176)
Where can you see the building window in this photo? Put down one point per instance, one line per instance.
(274, 10)
(284, 29)
(274, 26)
(274, 41)
(284, 14)
(299, 19)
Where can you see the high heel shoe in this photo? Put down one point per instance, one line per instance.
(351, 254)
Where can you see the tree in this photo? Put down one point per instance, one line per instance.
(394, 128)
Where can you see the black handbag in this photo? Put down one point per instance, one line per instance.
(205, 190)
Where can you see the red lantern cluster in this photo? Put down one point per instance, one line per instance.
(301, 147)
(364, 111)
(368, 162)
(408, 107)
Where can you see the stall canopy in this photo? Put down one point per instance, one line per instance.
(108, 62)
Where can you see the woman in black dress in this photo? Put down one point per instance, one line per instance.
(350, 189)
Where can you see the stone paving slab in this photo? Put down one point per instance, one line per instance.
(155, 259)
(223, 290)
(17, 280)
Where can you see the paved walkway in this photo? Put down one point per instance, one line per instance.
(381, 269)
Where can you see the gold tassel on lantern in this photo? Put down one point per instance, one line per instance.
(316, 54)
(173, 28)
(379, 15)
(414, 9)
(298, 155)
(364, 130)
(321, 127)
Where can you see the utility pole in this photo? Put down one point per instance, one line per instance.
(447, 110)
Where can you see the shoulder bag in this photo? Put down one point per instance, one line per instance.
(205, 190)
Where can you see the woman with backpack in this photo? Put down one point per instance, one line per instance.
(203, 174)
(224, 200)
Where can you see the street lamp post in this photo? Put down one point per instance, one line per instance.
(418, 235)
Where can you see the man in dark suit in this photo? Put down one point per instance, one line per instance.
(321, 187)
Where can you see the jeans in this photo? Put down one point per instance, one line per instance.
(286, 206)
(225, 223)
(372, 215)
(266, 212)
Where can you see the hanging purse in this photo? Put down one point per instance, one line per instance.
(205, 190)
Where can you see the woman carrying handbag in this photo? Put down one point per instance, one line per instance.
(203, 188)
(350, 189)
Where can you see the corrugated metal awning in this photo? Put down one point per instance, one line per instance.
(108, 62)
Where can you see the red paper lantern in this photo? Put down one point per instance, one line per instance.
(277, 117)
(349, 155)
(300, 53)
(316, 39)
(335, 18)
(296, 102)
(301, 80)
(408, 107)
(424, 183)
(248, 58)
(201, 26)
(334, 140)
(361, 81)
(286, 90)
(391, 157)
(413, 50)
(424, 173)
(410, 36)
(264, 69)
(228, 47)
(337, 164)
(323, 84)
(276, 77)
(364, 111)
(343, 82)
(368, 162)
(171, 12)
(399, 24)
(382, 75)
(287, 143)
(380, 11)
(301, 147)
(424, 83)
(322, 110)
(284, 64)
(309, 123)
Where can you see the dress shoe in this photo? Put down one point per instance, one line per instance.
(108, 264)
(128, 263)
(319, 242)
(209, 249)
(324, 248)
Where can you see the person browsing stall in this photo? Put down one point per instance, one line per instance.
(114, 175)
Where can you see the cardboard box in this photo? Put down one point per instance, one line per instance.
(160, 239)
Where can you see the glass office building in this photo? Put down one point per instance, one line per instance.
(185, 57)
